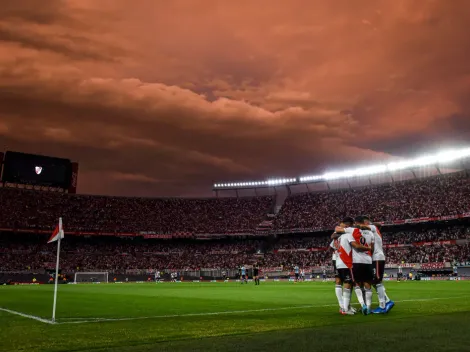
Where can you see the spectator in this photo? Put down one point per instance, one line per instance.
(428, 197)
(114, 254)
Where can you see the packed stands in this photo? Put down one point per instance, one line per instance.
(131, 221)
(114, 254)
(427, 197)
(24, 209)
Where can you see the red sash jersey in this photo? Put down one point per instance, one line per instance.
(362, 260)
(344, 260)
(365, 238)
(378, 254)
(344, 252)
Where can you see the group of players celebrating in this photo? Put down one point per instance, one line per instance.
(359, 263)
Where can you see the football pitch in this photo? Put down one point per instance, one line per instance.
(275, 316)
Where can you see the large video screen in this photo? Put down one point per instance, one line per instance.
(36, 170)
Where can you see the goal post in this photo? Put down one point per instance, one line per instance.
(91, 277)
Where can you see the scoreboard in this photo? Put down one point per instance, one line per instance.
(38, 170)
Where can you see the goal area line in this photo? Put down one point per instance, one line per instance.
(86, 320)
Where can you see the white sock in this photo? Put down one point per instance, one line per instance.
(386, 297)
(339, 295)
(381, 294)
(360, 298)
(346, 298)
(368, 297)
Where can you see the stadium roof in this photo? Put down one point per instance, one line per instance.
(442, 158)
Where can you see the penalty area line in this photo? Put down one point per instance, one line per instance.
(33, 317)
(103, 320)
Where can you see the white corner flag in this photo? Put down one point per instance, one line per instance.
(57, 235)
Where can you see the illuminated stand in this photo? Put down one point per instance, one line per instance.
(436, 161)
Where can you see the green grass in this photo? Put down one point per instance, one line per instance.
(173, 317)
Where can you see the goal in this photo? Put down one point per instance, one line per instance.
(90, 277)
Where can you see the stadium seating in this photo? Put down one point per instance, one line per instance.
(427, 197)
(24, 209)
(117, 255)
(29, 211)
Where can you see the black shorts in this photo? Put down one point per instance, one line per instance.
(400, 275)
(255, 272)
(296, 276)
(378, 266)
(345, 275)
(362, 273)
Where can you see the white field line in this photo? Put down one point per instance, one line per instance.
(98, 320)
(42, 320)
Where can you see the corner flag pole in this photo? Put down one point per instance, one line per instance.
(57, 270)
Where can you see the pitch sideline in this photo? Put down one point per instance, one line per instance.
(14, 312)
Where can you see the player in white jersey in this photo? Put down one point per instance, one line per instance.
(378, 264)
(339, 281)
(344, 269)
(362, 243)
(338, 284)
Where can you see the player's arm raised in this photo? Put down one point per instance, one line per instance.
(338, 232)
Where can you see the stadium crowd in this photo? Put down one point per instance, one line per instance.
(25, 209)
(429, 254)
(428, 235)
(114, 254)
(427, 197)
(32, 210)
(392, 236)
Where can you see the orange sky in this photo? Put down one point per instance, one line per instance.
(158, 97)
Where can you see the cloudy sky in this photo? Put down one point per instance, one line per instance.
(158, 97)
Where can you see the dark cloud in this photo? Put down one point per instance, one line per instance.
(49, 12)
(164, 98)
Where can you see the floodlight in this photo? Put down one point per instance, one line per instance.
(425, 160)
(395, 166)
(310, 178)
(332, 175)
(442, 157)
(371, 170)
(451, 155)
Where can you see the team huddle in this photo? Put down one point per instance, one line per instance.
(359, 264)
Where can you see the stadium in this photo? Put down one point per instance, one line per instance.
(141, 274)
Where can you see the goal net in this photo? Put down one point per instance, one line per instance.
(90, 277)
